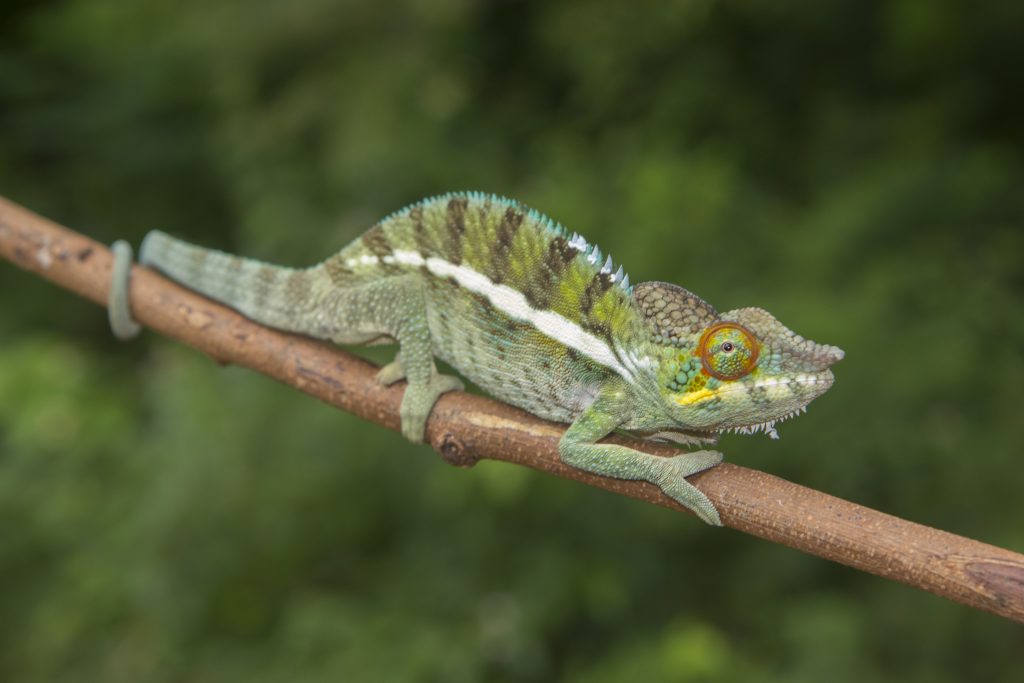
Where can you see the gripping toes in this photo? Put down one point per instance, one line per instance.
(391, 373)
(671, 478)
(418, 401)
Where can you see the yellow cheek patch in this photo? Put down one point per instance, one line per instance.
(691, 397)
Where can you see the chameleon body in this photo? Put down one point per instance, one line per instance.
(538, 318)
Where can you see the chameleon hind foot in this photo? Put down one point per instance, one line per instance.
(119, 311)
(419, 400)
(391, 373)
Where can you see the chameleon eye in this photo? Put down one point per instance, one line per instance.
(728, 351)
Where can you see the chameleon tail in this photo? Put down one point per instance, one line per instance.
(272, 295)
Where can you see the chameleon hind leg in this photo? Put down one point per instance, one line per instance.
(578, 448)
(395, 307)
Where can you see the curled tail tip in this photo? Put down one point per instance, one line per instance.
(119, 313)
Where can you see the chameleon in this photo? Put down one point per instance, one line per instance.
(534, 316)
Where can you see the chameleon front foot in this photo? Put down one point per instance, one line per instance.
(419, 400)
(670, 476)
(119, 312)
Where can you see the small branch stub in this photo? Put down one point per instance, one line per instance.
(453, 451)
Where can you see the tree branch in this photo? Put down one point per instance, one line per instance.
(465, 428)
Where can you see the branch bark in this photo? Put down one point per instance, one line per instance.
(465, 428)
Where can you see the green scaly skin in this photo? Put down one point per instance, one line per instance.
(537, 318)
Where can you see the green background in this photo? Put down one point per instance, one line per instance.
(854, 167)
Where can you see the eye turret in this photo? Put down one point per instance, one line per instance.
(728, 351)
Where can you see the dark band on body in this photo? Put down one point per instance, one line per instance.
(455, 227)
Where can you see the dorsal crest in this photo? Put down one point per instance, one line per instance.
(673, 313)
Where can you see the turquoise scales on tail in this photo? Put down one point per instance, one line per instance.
(538, 318)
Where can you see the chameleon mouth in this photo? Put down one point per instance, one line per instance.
(767, 427)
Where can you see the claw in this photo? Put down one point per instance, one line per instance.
(391, 373)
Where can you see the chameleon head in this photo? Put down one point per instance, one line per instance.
(748, 371)
(740, 371)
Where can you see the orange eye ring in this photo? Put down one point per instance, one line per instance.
(709, 346)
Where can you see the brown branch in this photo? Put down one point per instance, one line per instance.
(465, 428)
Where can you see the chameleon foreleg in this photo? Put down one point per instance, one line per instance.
(578, 448)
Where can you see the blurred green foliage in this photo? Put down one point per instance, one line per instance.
(854, 167)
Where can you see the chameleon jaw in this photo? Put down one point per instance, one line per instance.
(779, 391)
(767, 427)
(699, 436)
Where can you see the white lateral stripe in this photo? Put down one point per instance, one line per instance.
(514, 304)
(405, 258)
(364, 260)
